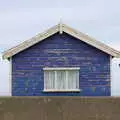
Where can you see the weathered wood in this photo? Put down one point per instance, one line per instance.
(60, 28)
(28, 72)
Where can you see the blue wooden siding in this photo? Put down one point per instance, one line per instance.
(61, 50)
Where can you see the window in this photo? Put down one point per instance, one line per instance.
(61, 79)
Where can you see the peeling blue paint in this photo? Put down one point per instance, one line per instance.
(61, 50)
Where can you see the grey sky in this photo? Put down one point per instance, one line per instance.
(20, 20)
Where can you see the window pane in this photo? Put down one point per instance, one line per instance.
(73, 79)
(77, 79)
(61, 78)
(49, 79)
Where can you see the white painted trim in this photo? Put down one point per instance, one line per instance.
(62, 68)
(27, 43)
(62, 90)
(67, 88)
(61, 28)
(91, 41)
(10, 76)
(111, 74)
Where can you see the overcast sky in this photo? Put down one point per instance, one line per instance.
(20, 20)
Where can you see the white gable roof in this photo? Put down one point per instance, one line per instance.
(61, 28)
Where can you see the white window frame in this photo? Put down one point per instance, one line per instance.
(61, 90)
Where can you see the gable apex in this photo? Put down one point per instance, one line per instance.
(61, 28)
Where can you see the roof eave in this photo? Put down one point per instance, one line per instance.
(61, 28)
(27, 43)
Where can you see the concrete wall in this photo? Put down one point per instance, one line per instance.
(61, 51)
(59, 108)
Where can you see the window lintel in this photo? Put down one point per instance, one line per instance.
(61, 68)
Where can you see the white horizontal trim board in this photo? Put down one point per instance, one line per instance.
(62, 68)
(62, 90)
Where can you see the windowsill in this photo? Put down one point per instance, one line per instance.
(69, 90)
